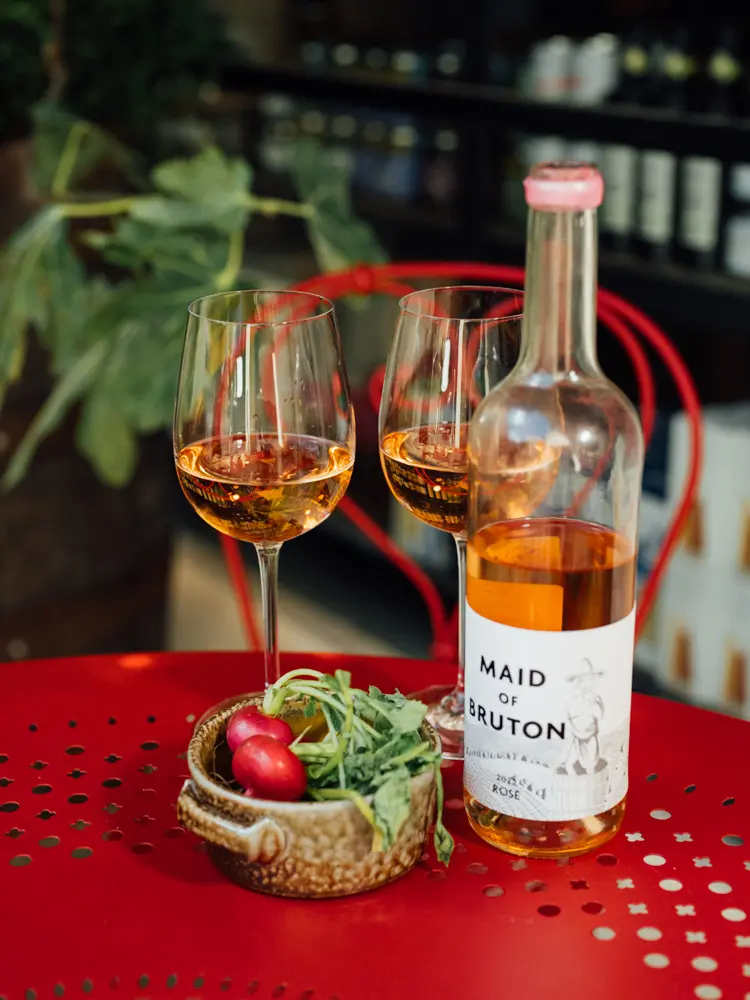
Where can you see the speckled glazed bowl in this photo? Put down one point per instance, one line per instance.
(302, 849)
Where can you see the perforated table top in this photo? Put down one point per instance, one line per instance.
(102, 894)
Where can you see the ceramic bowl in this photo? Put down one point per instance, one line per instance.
(302, 849)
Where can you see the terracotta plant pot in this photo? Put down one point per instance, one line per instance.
(302, 849)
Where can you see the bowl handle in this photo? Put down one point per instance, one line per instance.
(264, 841)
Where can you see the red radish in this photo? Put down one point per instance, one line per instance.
(250, 721)
(270, 769)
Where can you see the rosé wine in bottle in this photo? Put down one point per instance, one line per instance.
(550, 597)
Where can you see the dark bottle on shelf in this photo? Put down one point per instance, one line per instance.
(699, 229)
(342, 140)
(449, 60)
(372, 153)
(376, 59)
(441, 168)
(619, 161)
(673, 78)
(727, 96)
(400, 173)
(345, 57)
(312, 24)
(406, 64)
(279, 132)
(314, 55)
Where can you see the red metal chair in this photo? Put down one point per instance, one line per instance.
(624, 320)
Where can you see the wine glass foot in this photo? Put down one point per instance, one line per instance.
(446, 713)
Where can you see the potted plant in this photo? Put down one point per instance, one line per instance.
(94, 289)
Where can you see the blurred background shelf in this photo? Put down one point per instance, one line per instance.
(671, 292)
(482, 104)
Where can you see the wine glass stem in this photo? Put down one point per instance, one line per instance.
(268, 558)
(461, 553)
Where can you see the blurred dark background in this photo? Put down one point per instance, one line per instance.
(436, 109)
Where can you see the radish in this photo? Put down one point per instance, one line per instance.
(270, 769)
(250, 721)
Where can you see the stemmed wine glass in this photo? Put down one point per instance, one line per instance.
(450, 347)
(263, 427)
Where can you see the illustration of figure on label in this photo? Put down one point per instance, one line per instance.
(585, 710)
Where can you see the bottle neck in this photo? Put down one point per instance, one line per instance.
(559, 324)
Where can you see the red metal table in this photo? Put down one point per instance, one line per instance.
(101, 893)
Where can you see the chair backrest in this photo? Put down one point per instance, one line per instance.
(624, 320)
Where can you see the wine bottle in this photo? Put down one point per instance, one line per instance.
(674, 76)
(702, 176)
(619, 161)
(730, 98)
(441, 169)
(279, 132)
(555, 466)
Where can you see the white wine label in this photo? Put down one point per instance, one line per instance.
(619, 168)
(701, 203)
(547, 718)
(656, 217)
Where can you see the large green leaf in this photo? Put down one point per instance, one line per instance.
(158, 210)
(67, 148)
(209, 177)
(67, 391)
(194, 254)
(64, 294)
(142, 366)
(21, 302)
(105, 438)
(141, 372)
(341, 242)
(208, 188)
(92, 319)
(339, 239)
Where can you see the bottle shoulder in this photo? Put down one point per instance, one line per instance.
(576, 410)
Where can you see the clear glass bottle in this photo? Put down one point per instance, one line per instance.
(555, 460)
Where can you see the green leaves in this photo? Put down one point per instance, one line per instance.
(67, 391)
(208, 189)
(339, 239)
(372, 750)
(107, 440)
(66, 149)
(210, 178)
(443, 840)
(114, 347)
(22, 297)
(392, 804)
(397, 712)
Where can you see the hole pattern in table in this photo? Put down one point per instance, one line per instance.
(656, 960)
(732, 840)
(593, 908)
(655, 831)
(536, 886)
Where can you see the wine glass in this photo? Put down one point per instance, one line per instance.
(450, 347)
(263, 427)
